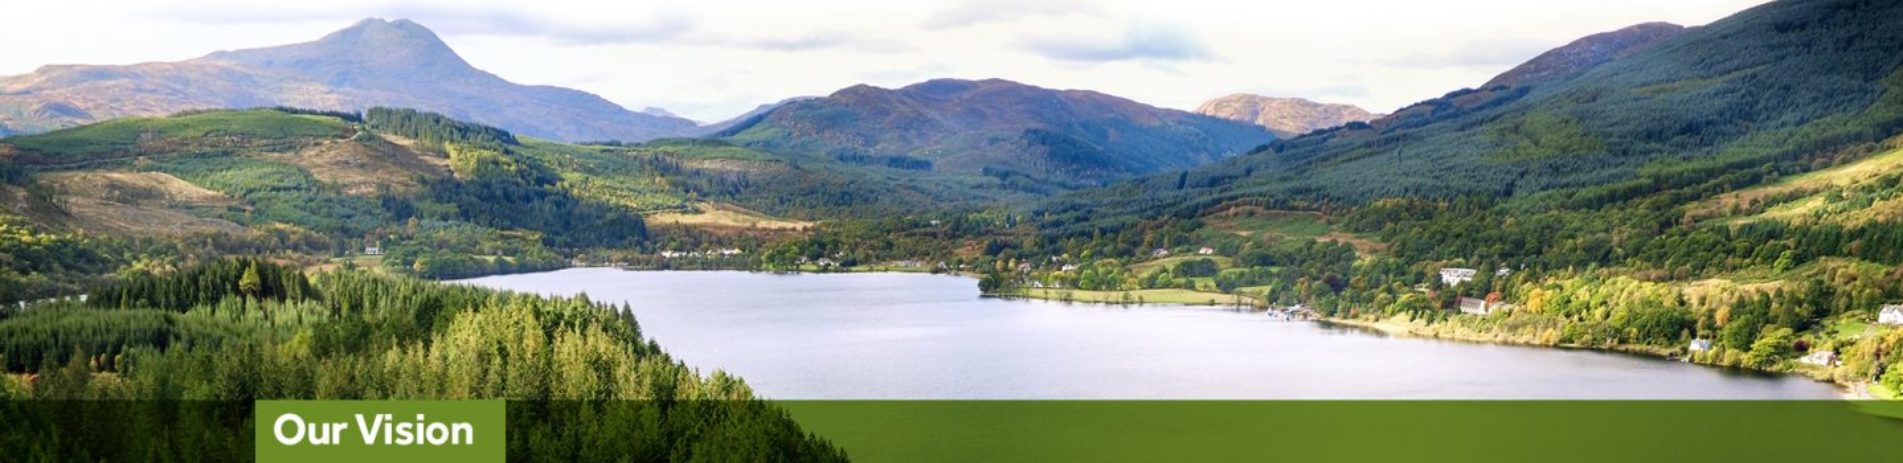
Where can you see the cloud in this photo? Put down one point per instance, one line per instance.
(660, 25)
(968, 13)
(657, 28)
(1138, 42)
(1486, 53)
(819, 40)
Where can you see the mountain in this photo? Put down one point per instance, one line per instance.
(1582, 54)
(998, 128)
(1776, 89)
(372, 63)
(1286, 117)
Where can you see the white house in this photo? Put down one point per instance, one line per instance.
(1701, 345)
(372, 251)
(1822, 358)
(1891, 315)
(1160, 252)
(1206, 251)
(1474, 306)
(1454, 276)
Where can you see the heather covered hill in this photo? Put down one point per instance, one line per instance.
(373, 63)
(1286, 117)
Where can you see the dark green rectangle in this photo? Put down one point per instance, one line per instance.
(1375, 431)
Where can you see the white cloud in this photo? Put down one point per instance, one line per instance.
(1138, 42)
(710, 59)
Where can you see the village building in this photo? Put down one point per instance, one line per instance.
(1822, 358)
(372, 251)
(1891, 315)
(1453, 276)
(1160, 252)
(1701, 345)
(1477, 306)
(1206, 251)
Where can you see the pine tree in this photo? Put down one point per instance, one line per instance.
(250, 284)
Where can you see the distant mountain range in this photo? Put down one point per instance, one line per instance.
(373, 63)
(1286, 117)
(998, 128)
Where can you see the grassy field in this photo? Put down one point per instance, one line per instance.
(711, 215)
(1881, 392)
(1141, 296)
(1811, 186)
(1273, 225)
(1257, 222)
(1148, 266)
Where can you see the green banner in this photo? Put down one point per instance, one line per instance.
(1355, 431)
(964, 431)
(363, 431)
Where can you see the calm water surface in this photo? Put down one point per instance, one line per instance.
(907, 336)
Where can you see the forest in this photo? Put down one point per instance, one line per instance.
(245, 329)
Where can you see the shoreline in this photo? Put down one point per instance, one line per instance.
(1847, 391)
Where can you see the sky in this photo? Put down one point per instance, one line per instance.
(712, 59)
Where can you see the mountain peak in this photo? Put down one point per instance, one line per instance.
(379, 32)
(400, 49)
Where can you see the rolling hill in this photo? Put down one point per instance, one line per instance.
(372, 63)
(997, 128)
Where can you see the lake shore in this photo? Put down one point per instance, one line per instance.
(1396, 327)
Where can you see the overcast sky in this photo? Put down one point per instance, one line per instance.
(711, 59)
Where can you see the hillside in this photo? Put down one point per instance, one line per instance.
(1771, 89)
(437, 197)
(1000, 129)
(372, 63)
(1592, 50)
(1287, 117)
